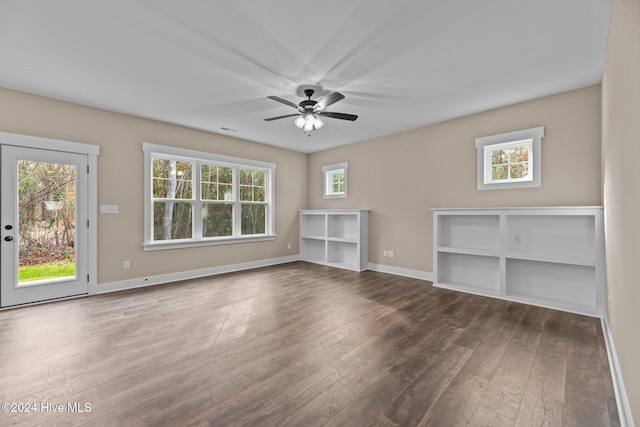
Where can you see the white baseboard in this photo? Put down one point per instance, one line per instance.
(624, 411)
(212, 271)
(398, 271)
(183, 275)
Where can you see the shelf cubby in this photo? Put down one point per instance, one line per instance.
(554, 282)
(555, 235)
(470, 271)
(470, 231)
(343, 226)
(313, 225)
(313, 249)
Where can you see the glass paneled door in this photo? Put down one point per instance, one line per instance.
(43, 215)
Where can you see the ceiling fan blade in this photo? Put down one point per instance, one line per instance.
(283, 101)
(280, 117)
(332, 98)
(341, 116)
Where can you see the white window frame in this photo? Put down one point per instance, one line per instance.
(489, 149)
(327, 180)
(198, 158)
(485, 145)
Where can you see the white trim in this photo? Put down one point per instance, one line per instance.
(193, 274)
(531, 133)
(92, 232)
(202, 155)
(325, 180)
(535, 134)
(624, 410)
(398, 271)
(213, 271)
(211, 241)
(48, 144)
(48, 301)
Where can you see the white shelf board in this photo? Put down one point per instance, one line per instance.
(342, 240)
(343, 265)
(587, 262)
(469, 251)
(485, 292)
(312, 237)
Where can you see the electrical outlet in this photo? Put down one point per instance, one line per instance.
(386, 253)
(390, 253)
(288, 245)
(126, 264)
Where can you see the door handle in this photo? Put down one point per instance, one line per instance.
(8, 227)
(8, 239)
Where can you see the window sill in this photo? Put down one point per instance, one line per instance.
(179, 244)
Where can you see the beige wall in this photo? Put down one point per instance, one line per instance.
(401, 176)
(621, 180)
(120, 178)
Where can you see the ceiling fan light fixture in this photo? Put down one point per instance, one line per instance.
(300, 121)
(308, 126)
(310, 121)
(317, 123)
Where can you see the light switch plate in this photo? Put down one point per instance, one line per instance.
(109, 209)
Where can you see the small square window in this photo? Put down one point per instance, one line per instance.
(334, 180)
(510, 160)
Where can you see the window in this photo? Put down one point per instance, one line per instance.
(335, 180)
(194, 198)
(510, 160)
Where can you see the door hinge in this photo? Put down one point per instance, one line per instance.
(87, 223)
(87, 277)
(87, 168)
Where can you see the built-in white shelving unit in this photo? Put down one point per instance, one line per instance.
(551, 257)
(339, 238)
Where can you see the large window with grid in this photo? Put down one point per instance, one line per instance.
(195, 198)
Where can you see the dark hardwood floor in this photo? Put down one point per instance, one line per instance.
(302, 345)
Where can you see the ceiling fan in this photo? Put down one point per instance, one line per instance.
(310, 111)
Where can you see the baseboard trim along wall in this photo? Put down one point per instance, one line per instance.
(624, 411)
(398, 271)
(193, 274)
(142, 282)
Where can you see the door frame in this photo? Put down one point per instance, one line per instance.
(92, 152)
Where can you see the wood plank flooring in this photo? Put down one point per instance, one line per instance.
(302, 345)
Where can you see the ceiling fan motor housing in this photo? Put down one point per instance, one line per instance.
(307, 104)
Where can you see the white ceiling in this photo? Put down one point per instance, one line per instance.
(211, 64)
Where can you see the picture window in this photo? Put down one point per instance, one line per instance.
(194, 198)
